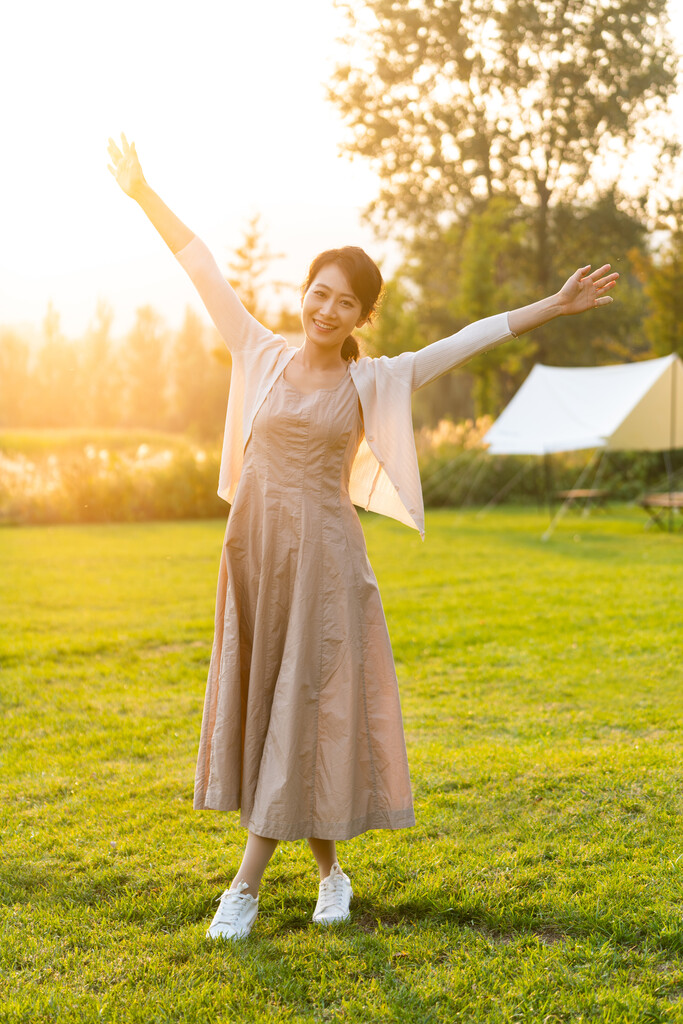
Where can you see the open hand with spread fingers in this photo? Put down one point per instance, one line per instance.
(585, 290)
(125, 166)
(126, 169)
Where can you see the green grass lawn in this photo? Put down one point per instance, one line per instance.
(541, 686)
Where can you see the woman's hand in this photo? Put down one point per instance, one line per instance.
(581, 292)
(585, 291)
(125, 166)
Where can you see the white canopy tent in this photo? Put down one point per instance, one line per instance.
(630, 407)
(633, 406)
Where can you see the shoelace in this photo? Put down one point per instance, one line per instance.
(331, 890)
(232, 903)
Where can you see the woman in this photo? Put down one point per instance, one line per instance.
(302, 725)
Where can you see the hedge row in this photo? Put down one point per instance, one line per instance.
(87, 485)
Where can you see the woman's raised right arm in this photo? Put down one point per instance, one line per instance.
(125, 166)
(237, 327)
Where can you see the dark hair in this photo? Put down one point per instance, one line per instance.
(364, 278)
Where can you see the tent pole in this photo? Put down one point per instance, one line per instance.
(538, 475)
(563, 508)
(547, 466)
(596, 479)
(672, 442)
(670, 481)
(505, 488)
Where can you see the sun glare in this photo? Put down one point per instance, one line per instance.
(226, 103)
(227, 107)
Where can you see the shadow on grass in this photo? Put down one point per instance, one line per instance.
(174, 904)
(516, 923)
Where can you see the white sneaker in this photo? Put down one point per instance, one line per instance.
(334, 896)
(235, 915)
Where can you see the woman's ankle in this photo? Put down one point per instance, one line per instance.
(247, 887)
(325, 853)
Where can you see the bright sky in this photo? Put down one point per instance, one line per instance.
(225, 100)
(226, 103)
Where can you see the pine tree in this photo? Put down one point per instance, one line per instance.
(144, 359)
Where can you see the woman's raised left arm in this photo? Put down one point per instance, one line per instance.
(582, 291)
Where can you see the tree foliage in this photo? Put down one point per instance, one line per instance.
(662, 276)
(454, 103)
(154, 378)
(491, 277)
(56, 390)
(251, 260)
(499, 130)
(145, 367)
(484, 265)
(15, 376)
(198, 382)
(102, 382)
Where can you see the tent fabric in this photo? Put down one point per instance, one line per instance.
(633, 406)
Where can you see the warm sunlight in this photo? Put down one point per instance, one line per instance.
(243, 378)
(227, 108)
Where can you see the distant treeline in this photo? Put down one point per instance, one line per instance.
(154, 378)
(162, 379)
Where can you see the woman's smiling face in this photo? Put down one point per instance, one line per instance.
(330, 310)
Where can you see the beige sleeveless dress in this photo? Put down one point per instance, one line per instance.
(302, 725)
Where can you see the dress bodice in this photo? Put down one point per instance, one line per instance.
(305, 441)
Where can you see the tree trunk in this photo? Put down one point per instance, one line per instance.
(543, 256)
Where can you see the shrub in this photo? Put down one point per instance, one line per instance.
(76, 483)
(457, 471)
(61, 477)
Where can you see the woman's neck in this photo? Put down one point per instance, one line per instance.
(314, 359)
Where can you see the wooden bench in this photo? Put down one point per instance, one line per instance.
(657, 505)
(586, 495)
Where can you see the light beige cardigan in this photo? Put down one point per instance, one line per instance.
(384, 477)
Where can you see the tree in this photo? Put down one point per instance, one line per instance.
(251, 261)
(454, 103)
(57, 396)
(287, 321)
(217, 386)
(399, 328)
(662, 275)
(144, 360)
(199, 382)
(15, 379)
(101, 377)
(484, 265)
(602, 231)
(492, 278)
(394, 328)
(188, 374)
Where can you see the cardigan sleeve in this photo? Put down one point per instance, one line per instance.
(434, 360)
(237, 327)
